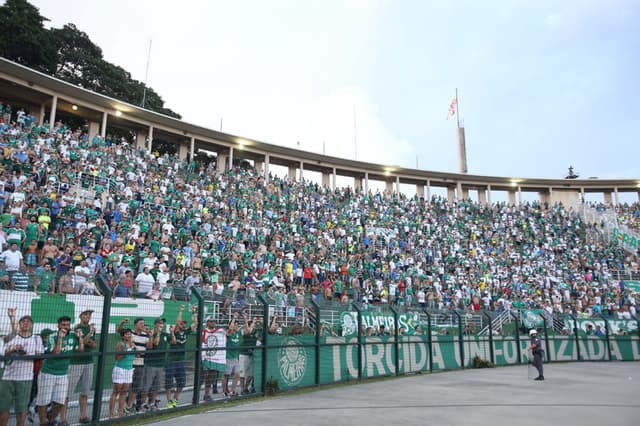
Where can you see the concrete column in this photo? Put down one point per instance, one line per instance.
(462, 151)
(519, 195)
(489, 194)
(459, 191)
(103, 126)
(326, 180)
(192, 148)
(357, 183)
(638, 195)
(42, 113)
(482, 196)
(94, 129)
(582, 195)
(292, 173)
(301, 171)
(617, 198)
(221, 162)
(266, 167)
(259, 166)
(420, 190)
(366, 181)
(465, 193)
(451, 194)
(141, 140)
(150, 139)
(512, 198)
(54, 107)
(388, 186)
(398, 184)
(183, 152)
(428, 190)
(230, 165)
(543, 197)
(607, 197)
(333, 183)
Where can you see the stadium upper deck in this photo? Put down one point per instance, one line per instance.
(38, 92)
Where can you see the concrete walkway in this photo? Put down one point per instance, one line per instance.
(573, 394)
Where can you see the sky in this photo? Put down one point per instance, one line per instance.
(542, 84)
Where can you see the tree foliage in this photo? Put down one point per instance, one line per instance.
(68, 54)
(23, 37)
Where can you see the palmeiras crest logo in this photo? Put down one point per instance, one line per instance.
(292, 362)
(211, 344)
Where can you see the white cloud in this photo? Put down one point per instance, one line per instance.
(330, 119)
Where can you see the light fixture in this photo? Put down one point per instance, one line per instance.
(74, 107)
(118, 113)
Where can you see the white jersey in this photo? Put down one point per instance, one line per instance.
(22, 370)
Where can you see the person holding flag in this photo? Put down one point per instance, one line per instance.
(214, 356)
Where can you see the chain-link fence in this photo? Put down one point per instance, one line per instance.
(74, 358)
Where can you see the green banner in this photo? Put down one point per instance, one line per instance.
(616, 327)
(632, 285)
(626, 239)
(373, 320)
(532, 318)
(46, 309)
(294, 364)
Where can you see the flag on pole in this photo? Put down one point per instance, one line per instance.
(453, 107)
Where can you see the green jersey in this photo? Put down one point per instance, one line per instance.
(59, 366)
(249, 342)
(180, 345)
(45, 279)
(84, 359)
(233, 344)
(158, 359)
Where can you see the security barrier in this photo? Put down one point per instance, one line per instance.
(287, 347)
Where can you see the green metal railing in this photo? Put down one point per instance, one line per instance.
(313, 351)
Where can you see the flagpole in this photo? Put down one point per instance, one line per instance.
(146, 75)
(355, 134)
(457, 109)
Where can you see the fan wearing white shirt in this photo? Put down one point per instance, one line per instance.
(144, 283)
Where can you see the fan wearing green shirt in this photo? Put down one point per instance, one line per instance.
(81, 368)
(233, 354)
(155, 362)
(175, 372)
(53, 380)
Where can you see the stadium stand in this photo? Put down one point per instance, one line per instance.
(277, 258)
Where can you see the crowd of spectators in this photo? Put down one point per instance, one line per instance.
(74, 206)
(629, 215)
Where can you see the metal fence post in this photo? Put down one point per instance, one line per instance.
(546, 337)
(607, 336)
(491, 350)
(396, 336)
(316, 308)
(575, 331)
(519, 350)
(104, 339)
(265, 332)
(429, 336)
(359, 311)
(460, 342)
(197, 364)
